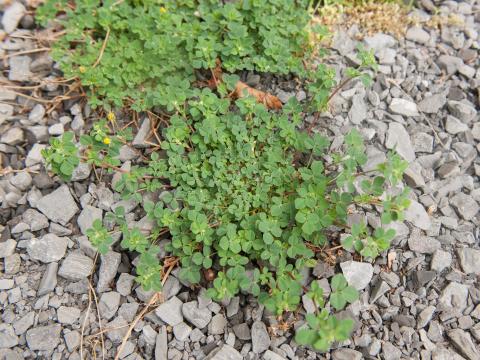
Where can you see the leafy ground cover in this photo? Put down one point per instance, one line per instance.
(247, 195)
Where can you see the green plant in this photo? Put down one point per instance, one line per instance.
(246, 196)
(322, 328)
(62, 155)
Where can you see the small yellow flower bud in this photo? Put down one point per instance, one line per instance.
(82, 69)
(163, 10)
(111, 116)
(107, 141)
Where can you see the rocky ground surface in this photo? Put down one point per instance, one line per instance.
(421, 300)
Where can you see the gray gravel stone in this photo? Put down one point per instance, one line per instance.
(86, 218)
(225, 352)
(346, 354)
(469, 260)
(68, 315)
(72, 340)
(20, 68)
(108, 270)
(198, 317)
(233, 306)
(398, 139)
(139, 140)
(21, 181)
(48, 248)
(49, 279)
(425, 316)
(161, 345)
(423, 244)
(35, 220)
(379, 41)
(12, 136)
(44, 338)
(464, 343)
(432, 104)
(380, 288)
(242, 331)
(217, 325)
(454, 296)
(182, 331)
(454, 126)
(76, 266)
(24, 323)
(108, 304)
(170, 311)
(417, 34)
(403, 107)
(462, 110)
(260, 338)
(12, 16)
(417, 215)
(59, 206)
(124, 284)
(358, 274)
(119, 328)
(34, 156)
(8, 339)
(7, 248)
(270, 355)
(466, 206)
(358, 111)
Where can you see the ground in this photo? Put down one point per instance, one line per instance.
(419, 300)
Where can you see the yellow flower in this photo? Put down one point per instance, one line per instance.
(82, 69)
(163, 10)
(111, 116)
(107, 141)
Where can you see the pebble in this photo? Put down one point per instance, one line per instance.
(417, 215)
(242, 331)
(20, 68)
(398, 139)
(425, 316)
(12, 16)
(462, 110)
(465, 205)
(8, 339)
(423, 244)
(346, 354)
(72, 340)
(225, 352)
(357, 274)
(161, 346)
(76, 266)
(170, 311)
(379, 41)
(417, 34)
(469, 260)
(45, 338)
(108, 270)
(68, 315)
(260, 337)
(197, 317)
(7, 248)
(59, 206)
(13, 136)
(108, 304)
(48, 248)
(24, 323)
(403, 107)
(142, 134)
(36, 114)
(49, 279)
(34, 156)
(454, 126)
(86, 218)
(35, 220)
(182, 331)
(217, 325)
(21, 181)
(454, 296)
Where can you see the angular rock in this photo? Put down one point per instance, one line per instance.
(86, 218)
(21, 181)
(139, 140)
(68, 315)
(225, 352)
(34, 156)
(12, 136)
(12, 16)
(346, 354)
(454, 296)
(198, 317)
(242, 331)
(49, 279)
(454, 126)
(423, 244)
(463, 342)
(35, 220)
(462, 110)
(358, 111)
(398, 139)
(469, 260)
(24, 323)
(417, 215)
(441, 260)
(7, 248)
(119, 328)
(358, 274)
(161, 344)
(72, 340)
(76, 266)
(182, 331)
(379, 289)
(108, 304)
(48, 248)
(379, 41)
(8, 339)
(432, 104)
(170, 311)
(403, 107)
(465, 205)
(59, 206)
(417, 34)
(260, 338)
(19, 68)
(425, 316)
(45, 338)
(108, 270)
(217, 325)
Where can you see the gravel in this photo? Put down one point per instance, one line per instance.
(196, 316)
(45, 338)
(48, 248)
(76, 266)
(59, 206)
